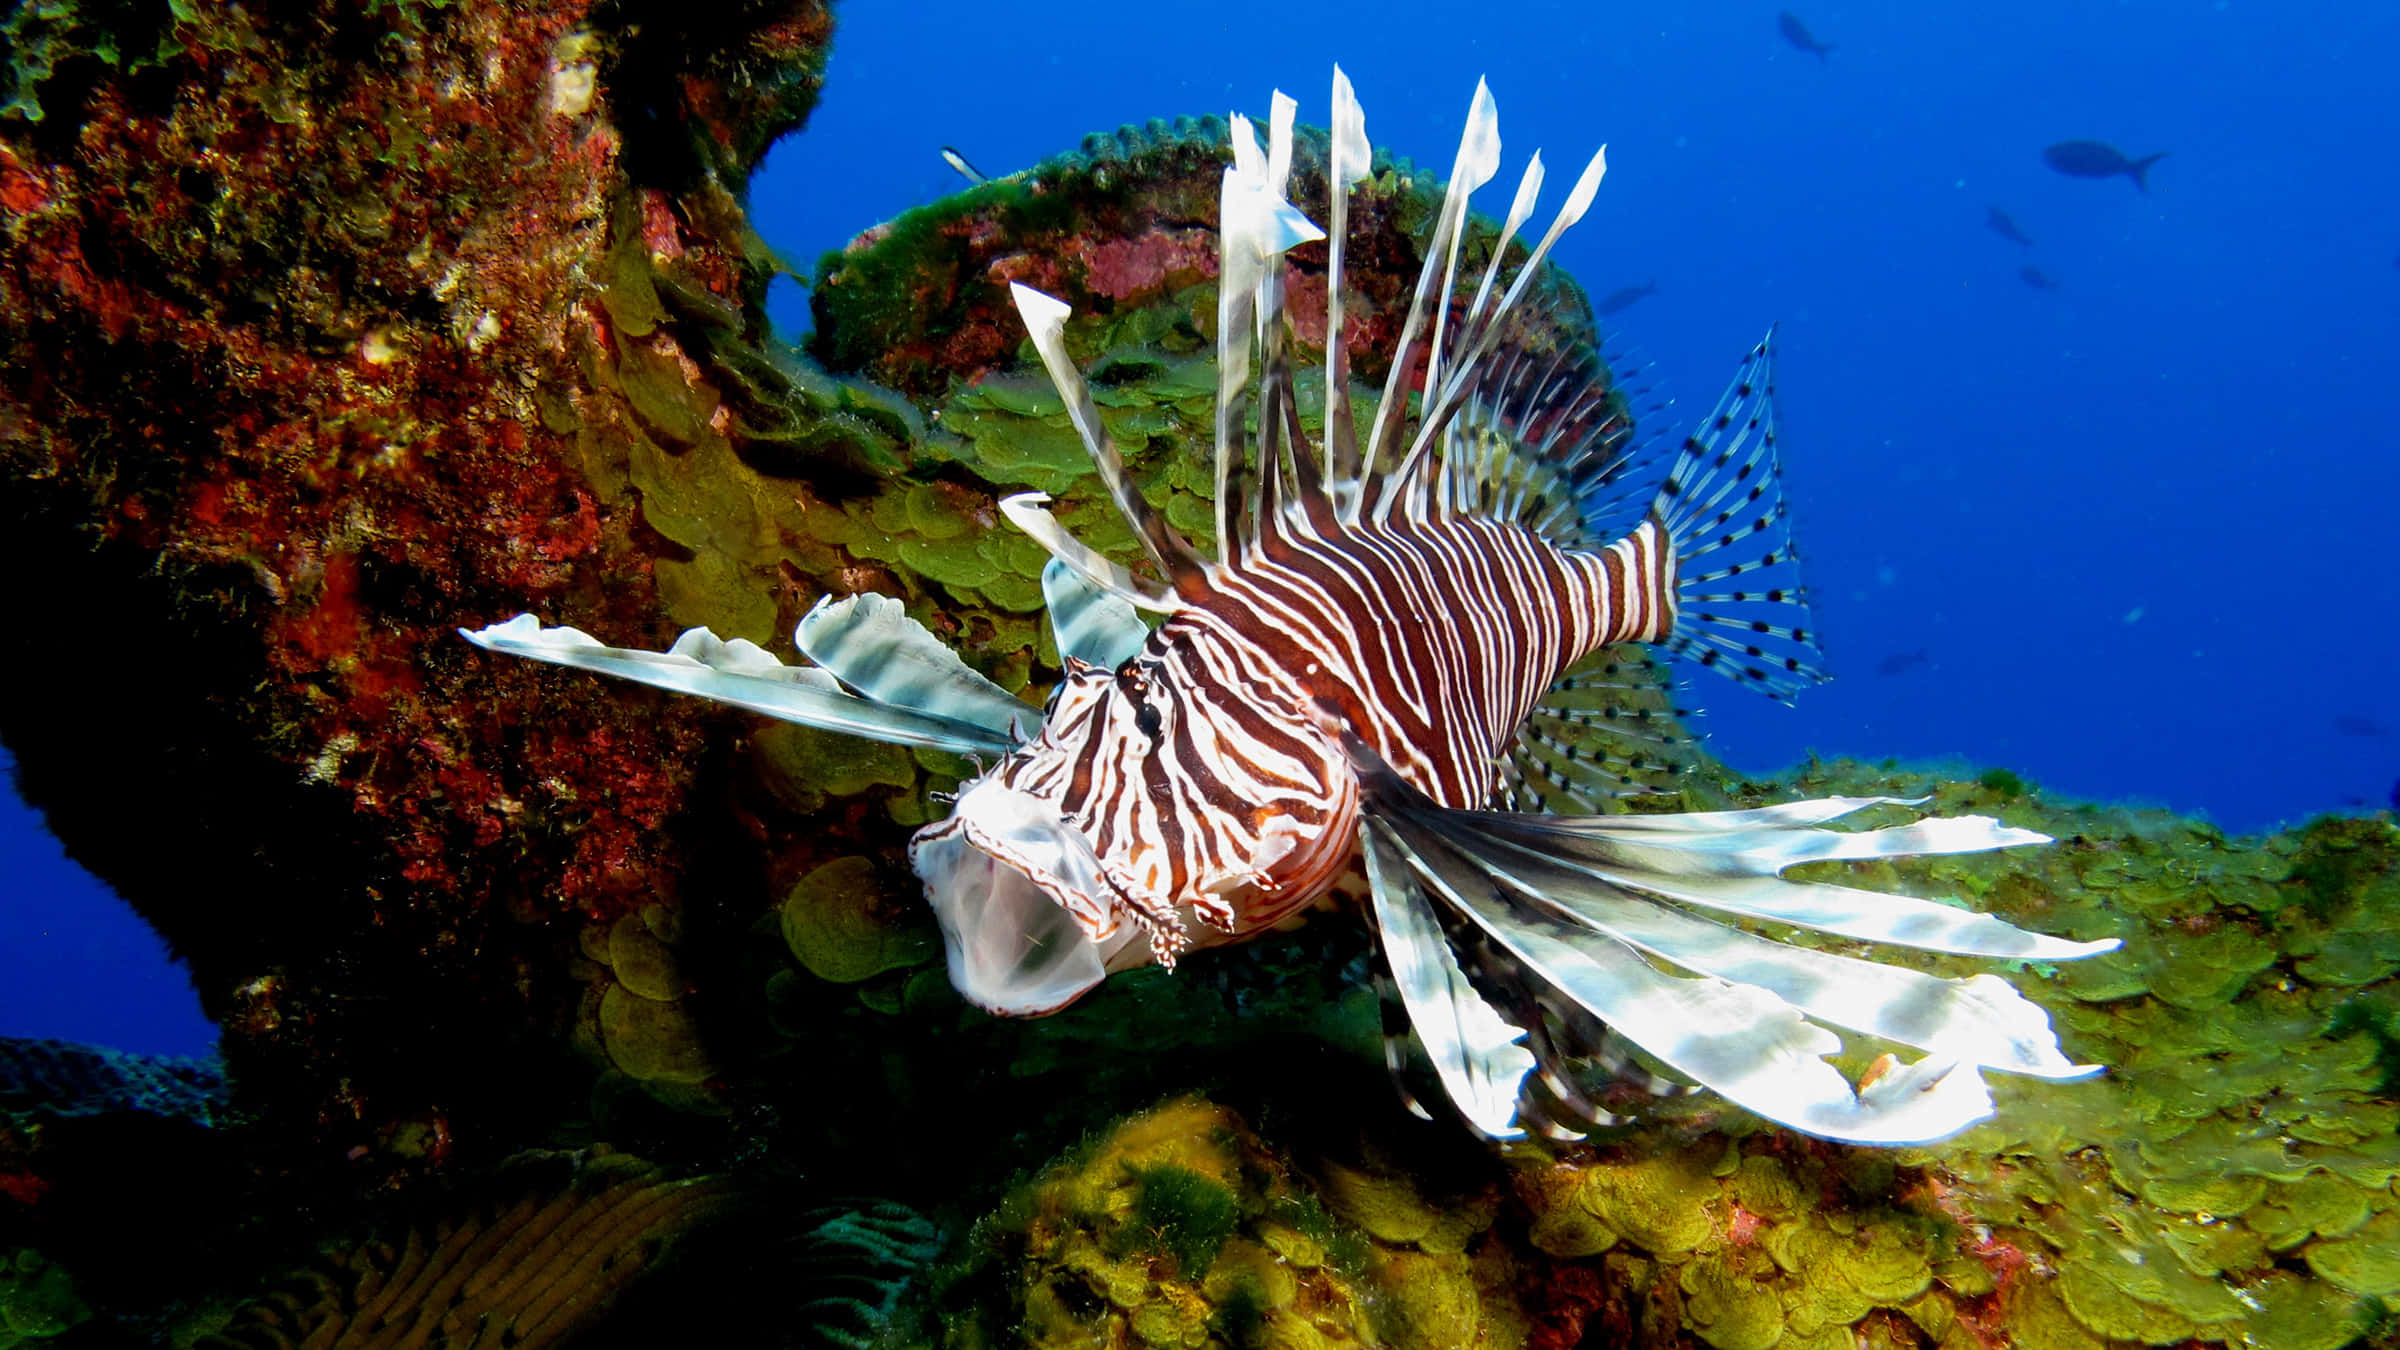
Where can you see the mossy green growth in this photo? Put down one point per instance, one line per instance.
(40, 39)
(2002, 781)
(37, 1299)
(1168, 1227)
(2375, 1017)
(1181, 1214)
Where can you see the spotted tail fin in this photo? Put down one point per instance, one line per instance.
(1740, 607)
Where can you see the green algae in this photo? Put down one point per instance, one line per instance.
(1428, 1302)
(641, 962)
(847, 923)
(42, 41)
(1181, 1214)
(1657, 1203)
(1730, 1311)
(806, 766)
(38, 1300)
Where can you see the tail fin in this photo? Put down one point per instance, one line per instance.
(1739, 606)
(2139, 170)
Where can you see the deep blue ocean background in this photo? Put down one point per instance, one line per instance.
(2130, 536)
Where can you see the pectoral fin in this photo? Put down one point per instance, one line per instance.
(1613, 925)
(745, 675)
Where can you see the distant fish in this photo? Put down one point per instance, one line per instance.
(955, 160)
(2351, 724)
(1900, 663)
(1797, 34)
(1624, 298)
(2099, 159)
(2006, 227)
(2037, 278)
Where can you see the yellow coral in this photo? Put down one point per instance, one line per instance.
(1729, 1310)
(1659, 1203)
(1427, 1303)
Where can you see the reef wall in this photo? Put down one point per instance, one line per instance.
(573, 1009)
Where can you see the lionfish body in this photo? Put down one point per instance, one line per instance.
(1207, 773)
(1406, 638)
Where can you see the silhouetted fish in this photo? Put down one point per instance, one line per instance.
(2002, 225)
(2037, 278)
(2351, 724)
(955, 160)
(2099, 159)
(1797, 34)
(1900, 663)
(1624, 298)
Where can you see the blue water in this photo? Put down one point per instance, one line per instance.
(2129, 537)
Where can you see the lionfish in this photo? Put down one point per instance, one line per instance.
(1382, 663)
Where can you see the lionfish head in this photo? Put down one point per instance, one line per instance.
(1082, 852)
(1022, 896)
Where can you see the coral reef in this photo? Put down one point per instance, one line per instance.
(38, 1301)
(327, 328)
(2228, 1181)
(526, 1273)
(61, 1078)
(331, 328)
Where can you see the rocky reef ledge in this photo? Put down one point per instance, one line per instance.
(562, 1013)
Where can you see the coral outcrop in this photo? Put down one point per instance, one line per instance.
(528, 1272)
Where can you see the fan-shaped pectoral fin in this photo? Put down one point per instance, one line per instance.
(744, 675)
(1089, 622)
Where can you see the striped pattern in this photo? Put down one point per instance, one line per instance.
(1434, 641)
(1395, 633)
(1203, 772)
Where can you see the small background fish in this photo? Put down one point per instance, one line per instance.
(1796, 33)
(1623, 298)
(2004, 225)
(2099, 159)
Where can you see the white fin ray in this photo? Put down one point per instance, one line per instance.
(1979, 1020)
(1520, 210)
(869, 643)
(1478, 145)
(1256, 226)
(744, 675)
(1024, 510)
(1350, 160)
(1283, 108)
(1736, 1040)
(1478, 160)
(1475, 1051)
(1733, 869)
(1088, 621)
(1045, 322)
(1476, 340)
(1563, 904)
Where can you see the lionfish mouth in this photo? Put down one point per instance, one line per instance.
(1010, 888)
